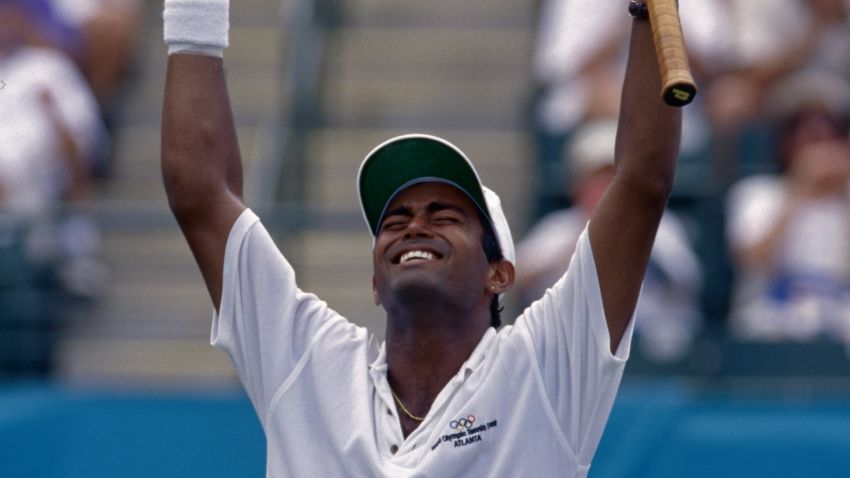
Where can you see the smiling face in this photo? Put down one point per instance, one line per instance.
(428, 250)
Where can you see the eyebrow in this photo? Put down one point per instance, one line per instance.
(433, 206)
(398, 211)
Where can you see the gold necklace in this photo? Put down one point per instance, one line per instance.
(404, 409)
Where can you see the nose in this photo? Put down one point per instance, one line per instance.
(417, 227)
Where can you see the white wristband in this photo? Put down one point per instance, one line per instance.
(188, 48)
(196, 26)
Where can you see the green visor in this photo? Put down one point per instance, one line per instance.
(416, 158)
(407, 160)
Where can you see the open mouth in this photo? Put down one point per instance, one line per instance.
(417, 255)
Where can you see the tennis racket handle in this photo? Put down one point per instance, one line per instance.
(677, 83)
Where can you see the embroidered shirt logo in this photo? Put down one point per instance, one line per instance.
(465, 433)
(462, 423)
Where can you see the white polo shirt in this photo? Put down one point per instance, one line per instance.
(531, 400)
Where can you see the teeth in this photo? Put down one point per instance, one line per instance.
(416, 255)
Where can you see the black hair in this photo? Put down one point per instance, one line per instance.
(493, 252)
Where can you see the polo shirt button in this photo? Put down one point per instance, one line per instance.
(393, 449)
(389, 412)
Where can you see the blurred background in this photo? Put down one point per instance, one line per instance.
(740, 360)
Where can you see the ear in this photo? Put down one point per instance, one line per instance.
(501, 277)
(375, 296)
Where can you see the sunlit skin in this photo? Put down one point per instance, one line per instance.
(438, 219)
(438, 307)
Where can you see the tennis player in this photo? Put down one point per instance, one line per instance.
(448, 393)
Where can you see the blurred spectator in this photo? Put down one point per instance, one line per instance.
(667, 314)
(578, 65)
(100, 37)
(766, 41)
(770, 40)
(790, 233)
(104, 37)
(48, 145)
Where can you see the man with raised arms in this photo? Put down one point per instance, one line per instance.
(447, 394)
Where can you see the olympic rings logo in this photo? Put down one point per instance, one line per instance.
(462, 422)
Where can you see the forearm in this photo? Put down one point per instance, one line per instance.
(200, 152)
(649, 131)
(623, 225)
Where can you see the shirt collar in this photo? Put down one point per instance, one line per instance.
(379, 365)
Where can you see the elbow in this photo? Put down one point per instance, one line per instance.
(191, 191)
(182, 199)
(649, 173)
(648, 186)
(660, 186)
(194, 170)
(185, 191)
(649, 170)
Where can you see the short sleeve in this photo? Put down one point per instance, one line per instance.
(265, 323)
(569, 337)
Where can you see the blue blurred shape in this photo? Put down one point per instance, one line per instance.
(46, 432)
(667, 429)
(658, 429)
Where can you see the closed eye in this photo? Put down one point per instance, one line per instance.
(442, 213)
(446, 219)
(394, 223)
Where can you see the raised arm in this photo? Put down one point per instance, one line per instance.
(623, 226)
(201, 166)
